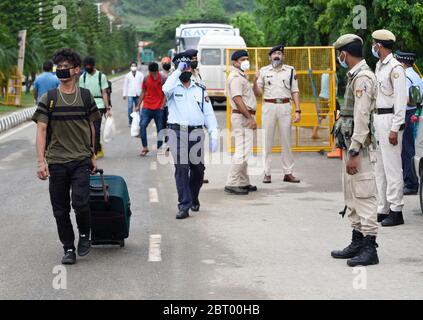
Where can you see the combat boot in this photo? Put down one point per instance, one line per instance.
(394, 218)
(368, 255)
(353, 249)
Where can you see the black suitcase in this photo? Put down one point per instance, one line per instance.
(110, 209)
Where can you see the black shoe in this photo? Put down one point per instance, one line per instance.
(69, 257)
(250, 188)
(394, 218)
(353, 249)
(236, 190)
(206, 181)
(368, 255)
(381, 217)
(195, 206)
(182, 214)
(410, 192)
(84, 246)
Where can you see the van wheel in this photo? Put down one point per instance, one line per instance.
(421, 193)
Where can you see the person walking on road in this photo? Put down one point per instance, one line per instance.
(96, 82)
(132, 88)
(153, 103)
(243, 105)
(411, 183)
(45, 81)
(190, 111)
(391, 105)
(278, 84)
(65, 151)
(354, 134)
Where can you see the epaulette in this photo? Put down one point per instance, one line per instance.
(200, 85)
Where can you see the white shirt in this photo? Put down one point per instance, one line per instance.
(133, 84)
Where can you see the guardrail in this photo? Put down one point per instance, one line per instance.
(12, 120)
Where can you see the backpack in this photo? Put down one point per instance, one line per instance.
(52, 101)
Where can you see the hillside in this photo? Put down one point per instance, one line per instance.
(143, 13)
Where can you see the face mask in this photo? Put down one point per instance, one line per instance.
(375, 53)
(342, 63)
(166, 66)
(89, 70)
(276, 62)
(133, 69)
(245, 65)
(185, 76)
(63, 73)
(194, 64)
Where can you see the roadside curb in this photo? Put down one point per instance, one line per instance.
(17, 118)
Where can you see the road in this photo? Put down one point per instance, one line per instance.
(273, 244)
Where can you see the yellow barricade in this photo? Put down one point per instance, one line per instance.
(310, 63)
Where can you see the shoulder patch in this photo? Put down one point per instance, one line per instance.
(396, 75)
(359, 93)
(207, 99)
(295, 77)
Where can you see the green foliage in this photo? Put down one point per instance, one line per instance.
(249, 30)
(84, 33)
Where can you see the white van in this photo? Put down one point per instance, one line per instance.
(212, 61)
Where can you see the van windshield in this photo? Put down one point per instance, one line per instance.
(211, 57)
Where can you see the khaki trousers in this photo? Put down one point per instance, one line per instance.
(360, 194)
(244, 137)
(389, 178)
(277, 114)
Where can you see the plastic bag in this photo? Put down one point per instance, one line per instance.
(135, 127)
(109, 130)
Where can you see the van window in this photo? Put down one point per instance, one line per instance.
(211, 57)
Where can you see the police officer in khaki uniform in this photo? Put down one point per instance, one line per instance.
(243, 104)
(278, 84)
(354, 135)
(391, 105)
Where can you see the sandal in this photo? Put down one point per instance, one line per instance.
(144, 152)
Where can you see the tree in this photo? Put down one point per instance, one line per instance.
(249, 30)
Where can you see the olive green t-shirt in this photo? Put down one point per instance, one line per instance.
(70, 128)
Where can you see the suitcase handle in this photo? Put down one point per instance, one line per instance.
(106, 195)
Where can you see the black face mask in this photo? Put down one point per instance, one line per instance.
(63, 73)
(194, 64)
(89, 70)
(166, 66)
(185, 76)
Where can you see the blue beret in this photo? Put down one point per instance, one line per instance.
(280, 47)
(239, 54)
(181, 57)
(405, 56)
(192, 53)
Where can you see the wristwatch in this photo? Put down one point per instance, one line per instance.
(298, 111)
(353, 153)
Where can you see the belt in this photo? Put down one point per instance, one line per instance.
(253, 112)
(279, 100)
(178, 127)
(384, 110)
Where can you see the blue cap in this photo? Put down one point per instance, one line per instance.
(405, 56)
(181, 57)
(192, 53)
(280, 47)
(239, 54)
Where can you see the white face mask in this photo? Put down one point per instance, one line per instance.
(133, 69)
(245, 65)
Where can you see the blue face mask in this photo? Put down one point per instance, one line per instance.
(375, 53)
(342, 63)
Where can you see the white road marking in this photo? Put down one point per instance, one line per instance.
(14, 131)
(153, 195)
(155, 252)
(153, 166)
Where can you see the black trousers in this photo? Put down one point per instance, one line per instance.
(97, 125)
(187, 149)
(408, 152)
(64, 178)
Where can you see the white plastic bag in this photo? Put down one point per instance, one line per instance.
(135, 127)
(109, 130)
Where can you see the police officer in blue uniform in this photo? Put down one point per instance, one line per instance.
(190, 111)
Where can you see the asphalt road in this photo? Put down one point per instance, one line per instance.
(273, 244)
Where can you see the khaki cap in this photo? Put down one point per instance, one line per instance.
(346, 39)
(383, 35)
